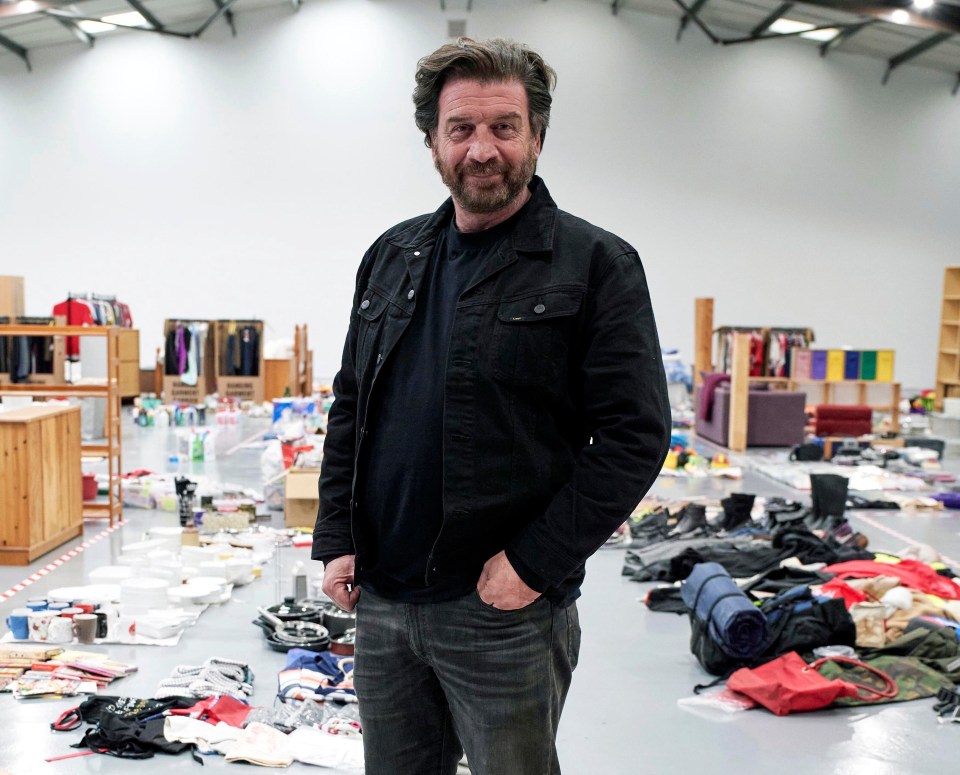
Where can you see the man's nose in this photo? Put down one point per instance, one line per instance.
(482, 149)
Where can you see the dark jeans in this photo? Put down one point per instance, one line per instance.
(435, 679)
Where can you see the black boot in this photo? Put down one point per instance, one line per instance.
(694, 517)
(780, 512)
(828, 498)
(736, 510)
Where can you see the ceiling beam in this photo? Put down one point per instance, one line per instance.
(224, 7)
(84, 37)
(16, 48)
(146, 13)
(843, 36)
(763, 26)
(155, 31)
(690, 12)
(914, 51)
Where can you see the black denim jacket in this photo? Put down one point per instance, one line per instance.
(555, 418)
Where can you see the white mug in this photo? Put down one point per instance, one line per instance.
(40, 624)
(60, 630)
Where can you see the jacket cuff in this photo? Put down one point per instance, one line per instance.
(326, 559)
(543, 556)
(527, 575)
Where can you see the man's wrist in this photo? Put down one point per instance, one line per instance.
(527, 575)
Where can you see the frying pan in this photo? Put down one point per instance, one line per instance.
(296, 633)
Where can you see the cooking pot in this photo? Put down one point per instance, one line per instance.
(336, 620)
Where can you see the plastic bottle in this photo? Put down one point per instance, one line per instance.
(299, 581)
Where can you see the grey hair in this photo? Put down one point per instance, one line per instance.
(489, 61)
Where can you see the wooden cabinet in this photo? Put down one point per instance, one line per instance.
(948, 353)
(129, 362)
(41, 502)
(277, 378)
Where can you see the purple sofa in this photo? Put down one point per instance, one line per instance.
(775, 418)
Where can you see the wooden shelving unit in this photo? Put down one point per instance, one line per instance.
(302, 363)
(948, 353)
(111, 450)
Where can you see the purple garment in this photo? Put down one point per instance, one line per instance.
(710, 384)
(181, 351)
(950, 500)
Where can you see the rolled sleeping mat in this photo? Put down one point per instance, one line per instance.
(732, 621)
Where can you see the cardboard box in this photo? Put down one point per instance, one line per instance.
(302, 500)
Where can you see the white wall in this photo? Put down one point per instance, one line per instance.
(244, 177)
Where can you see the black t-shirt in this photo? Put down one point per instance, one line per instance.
(402, 485)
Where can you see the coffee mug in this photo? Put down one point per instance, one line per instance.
(37, 603)
(85, 626)
(58, 607)
(19, 623)
(85, 605)
(39, 622)
(69, 613)
(103, 623)
(125, 628)
(60, 630)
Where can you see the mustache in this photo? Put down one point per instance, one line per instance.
(481, 168)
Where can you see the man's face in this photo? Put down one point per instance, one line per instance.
(483, 146)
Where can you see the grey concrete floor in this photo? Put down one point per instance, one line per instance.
(622, 716)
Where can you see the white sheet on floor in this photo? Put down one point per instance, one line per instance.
(209, 738)
(311, 746)
(263, 745)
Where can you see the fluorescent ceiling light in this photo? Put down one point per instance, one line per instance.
(786, 26)
(821, 36)
(28, 6)
(900, 17)
(923, 5)
(130, 19)
(94, 28)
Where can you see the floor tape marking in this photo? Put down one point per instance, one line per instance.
(905, 538)
(56, 564)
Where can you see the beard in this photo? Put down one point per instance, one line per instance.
(489, 195)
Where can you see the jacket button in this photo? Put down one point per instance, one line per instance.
(411, 294)
(416, 252)
(365, 303)
(539, 309)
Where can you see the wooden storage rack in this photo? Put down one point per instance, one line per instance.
(302, 363)
(111, 450)
(948, 353)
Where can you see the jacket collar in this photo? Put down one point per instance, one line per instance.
(533, 232)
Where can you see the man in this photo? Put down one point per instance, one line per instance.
(500, 409)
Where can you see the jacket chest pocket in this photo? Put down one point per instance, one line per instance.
(531, 336)
(371, 311)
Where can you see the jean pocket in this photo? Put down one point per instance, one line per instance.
(503, 611)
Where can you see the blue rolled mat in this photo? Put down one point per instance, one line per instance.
(735, 624)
